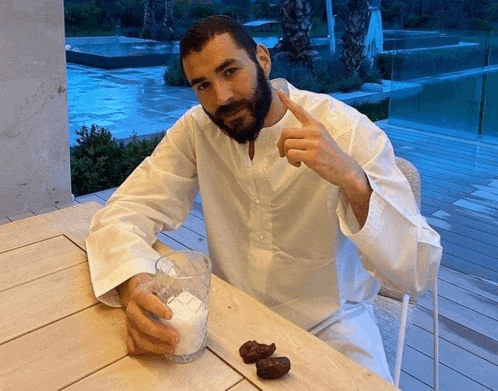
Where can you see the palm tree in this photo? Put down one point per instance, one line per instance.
(354, 37)
(149, 17)
(295, 44)
(158, 25)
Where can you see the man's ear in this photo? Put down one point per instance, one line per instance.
(264, 59)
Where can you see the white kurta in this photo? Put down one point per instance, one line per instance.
(280, 233)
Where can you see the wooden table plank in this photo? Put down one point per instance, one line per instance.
(148, 374)
(314, 364)
(71, 349)
(244, 385)
(24, 232)
(74, 221)
(23, 264)
(63, 352)
(45, 300)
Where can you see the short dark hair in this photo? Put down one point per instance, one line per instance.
(200, 33)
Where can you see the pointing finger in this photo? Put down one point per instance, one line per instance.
(301, 114)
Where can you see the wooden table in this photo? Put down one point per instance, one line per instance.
(54, 333)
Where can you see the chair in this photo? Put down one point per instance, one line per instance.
(390, 305)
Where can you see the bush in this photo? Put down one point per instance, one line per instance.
(374, 111)
(173, 75)
(99, 161)
(417, 21)
(297, 75)
(328, 75)
(129, 12)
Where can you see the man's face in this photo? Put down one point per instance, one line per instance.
(232, 89)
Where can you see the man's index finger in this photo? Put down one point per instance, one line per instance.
(301, 114)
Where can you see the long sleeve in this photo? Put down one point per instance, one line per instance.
(396, 244)
(157, 195)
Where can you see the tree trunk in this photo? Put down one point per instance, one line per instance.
(158, 20)
(168, 22)
(353, 39)
(149, 17)
(296, 26)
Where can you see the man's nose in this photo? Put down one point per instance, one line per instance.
(224, 93)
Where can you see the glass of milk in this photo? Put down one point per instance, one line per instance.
(184, 279)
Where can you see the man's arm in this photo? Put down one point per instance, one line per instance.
(397, 245)
(158, 195)
(313, 145)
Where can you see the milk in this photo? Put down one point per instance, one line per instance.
(189, 320)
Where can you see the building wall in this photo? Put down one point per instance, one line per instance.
(34, 148)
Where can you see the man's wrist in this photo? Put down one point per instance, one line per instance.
(358, 192)
(125, 288)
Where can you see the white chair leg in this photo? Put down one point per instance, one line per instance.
(401, 340)
(436, 335)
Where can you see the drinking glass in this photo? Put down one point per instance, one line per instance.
(184, 279)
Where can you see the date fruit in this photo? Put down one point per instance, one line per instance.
(252, 351)
(273, 367)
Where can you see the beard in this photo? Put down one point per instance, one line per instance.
(246, 127)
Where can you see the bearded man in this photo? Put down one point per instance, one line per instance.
(305, 208)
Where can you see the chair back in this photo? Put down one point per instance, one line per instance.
(388, 303)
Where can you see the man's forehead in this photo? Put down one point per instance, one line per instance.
(217, 51)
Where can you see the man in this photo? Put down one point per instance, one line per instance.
(305, 208)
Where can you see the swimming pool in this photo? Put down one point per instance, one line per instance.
(450, 107)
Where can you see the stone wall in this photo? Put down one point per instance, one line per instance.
(34, 148)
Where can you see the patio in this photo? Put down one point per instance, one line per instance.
(460, 200)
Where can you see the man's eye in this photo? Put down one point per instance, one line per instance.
(231, 71)
(202, 86)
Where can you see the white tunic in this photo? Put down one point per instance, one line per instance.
(282, 234)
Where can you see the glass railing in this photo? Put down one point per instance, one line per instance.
(445, 82)
(489, 123)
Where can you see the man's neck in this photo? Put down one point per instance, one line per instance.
(277, 110)
(251, 149)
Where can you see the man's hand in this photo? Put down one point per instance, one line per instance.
(145, 335)
(313, 145)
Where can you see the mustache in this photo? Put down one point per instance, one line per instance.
(232, 107)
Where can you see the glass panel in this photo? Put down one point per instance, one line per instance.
(437, 81)
(490, 114)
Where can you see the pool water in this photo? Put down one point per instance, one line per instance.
(124, 49)
(450, 107)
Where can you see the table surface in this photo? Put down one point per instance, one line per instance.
(55, 335)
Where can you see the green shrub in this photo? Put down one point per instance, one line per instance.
(328, 75)
(374, 111)
(129, 12)
(99, 161)
(84, 18)
(417, 21)
(298, 75)
(173, 75)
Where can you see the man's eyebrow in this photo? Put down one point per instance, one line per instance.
(225, 64)
(219, 68)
